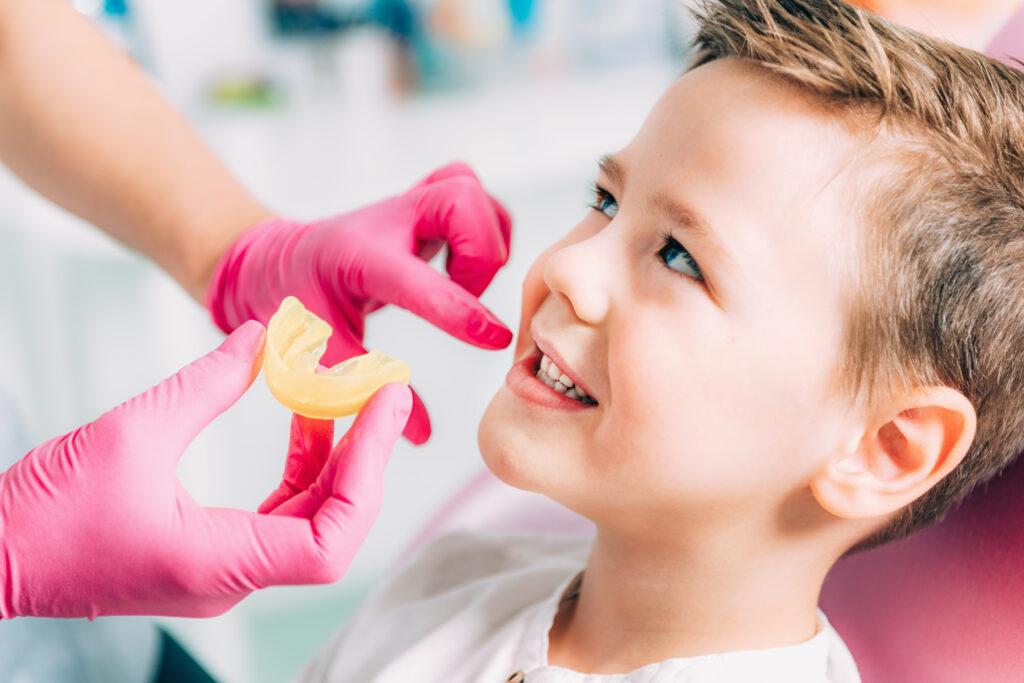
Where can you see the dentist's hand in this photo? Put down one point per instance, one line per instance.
(344, 267)
(96, 522)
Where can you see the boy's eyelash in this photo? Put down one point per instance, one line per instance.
(670, 242)
(598, 194)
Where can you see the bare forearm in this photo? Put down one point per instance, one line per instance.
(81, 124)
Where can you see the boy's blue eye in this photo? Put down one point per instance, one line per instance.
(675, 256)
(604, 202)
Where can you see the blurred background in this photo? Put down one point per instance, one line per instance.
(320, 107)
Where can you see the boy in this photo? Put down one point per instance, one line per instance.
(784, 333)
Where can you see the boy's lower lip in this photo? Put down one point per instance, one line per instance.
(522, 380)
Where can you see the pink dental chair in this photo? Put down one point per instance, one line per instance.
(944, 606)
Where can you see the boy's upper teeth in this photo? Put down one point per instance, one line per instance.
(552, 375)
(554, 372)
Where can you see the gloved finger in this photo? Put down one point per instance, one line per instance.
(303, 504)
(460, 168)
(413, 285)
(356, 489)
(450, 170)
(198, 393)
(349, 493)
(458, 211)
(417, 429)
(341, 345)
(308, 449)
(307, 502)
(504, 222)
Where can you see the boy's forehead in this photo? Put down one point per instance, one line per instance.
(742, 122)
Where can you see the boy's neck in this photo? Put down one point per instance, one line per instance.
(638, 606)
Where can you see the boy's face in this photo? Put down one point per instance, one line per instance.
(709, 350)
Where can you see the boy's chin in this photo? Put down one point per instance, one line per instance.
(522, 459)
(508, 451)
(500, 448)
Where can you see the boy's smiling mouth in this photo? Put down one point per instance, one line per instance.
(542, 378)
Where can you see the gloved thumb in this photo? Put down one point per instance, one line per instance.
(338, 509)
(184, 404)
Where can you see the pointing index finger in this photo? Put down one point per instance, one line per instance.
(413, 285)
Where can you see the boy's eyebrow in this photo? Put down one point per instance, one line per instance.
(684, 216)
(611, 167)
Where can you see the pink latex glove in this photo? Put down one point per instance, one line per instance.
(308, 470)
(96, 522)
(344, 267)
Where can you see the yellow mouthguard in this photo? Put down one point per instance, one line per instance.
(296, 340)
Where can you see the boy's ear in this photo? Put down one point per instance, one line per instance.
(899, 457)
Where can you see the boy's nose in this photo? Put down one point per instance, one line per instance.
(582, 273)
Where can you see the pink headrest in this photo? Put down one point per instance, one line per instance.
(1009, 42)
(946, 604)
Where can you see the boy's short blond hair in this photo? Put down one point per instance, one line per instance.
(938, 282)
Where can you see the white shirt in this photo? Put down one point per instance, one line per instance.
(477, 608)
